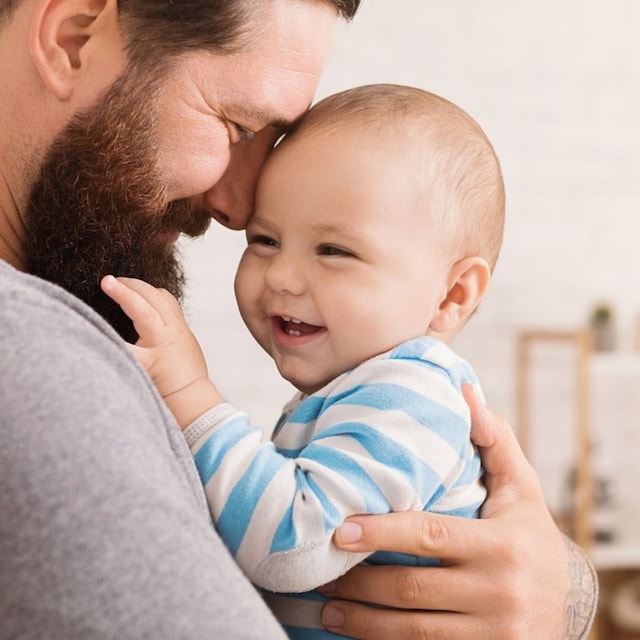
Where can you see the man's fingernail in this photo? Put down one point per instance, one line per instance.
(348, 533)
(332, 616)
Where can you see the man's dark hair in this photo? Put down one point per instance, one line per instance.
(154, 28)
(157, 27)
(6, 9)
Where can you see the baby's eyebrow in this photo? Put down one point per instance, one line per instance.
(343, 229)
(355, 236)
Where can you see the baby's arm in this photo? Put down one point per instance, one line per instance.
(371, 453)
(166, 348)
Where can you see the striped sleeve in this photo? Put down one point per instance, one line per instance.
(379, 443)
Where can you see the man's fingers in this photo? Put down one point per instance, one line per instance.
(407, 587)
(482, 431)
(414, 532)
(356, 620)
(507, 471)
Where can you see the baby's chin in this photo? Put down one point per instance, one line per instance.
(310, 384)
(309, 387)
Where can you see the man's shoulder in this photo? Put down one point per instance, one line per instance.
(31, 299)
(67, 378)
(42, 322)
(53, 346)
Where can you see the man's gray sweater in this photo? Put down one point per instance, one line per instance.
(104, 531)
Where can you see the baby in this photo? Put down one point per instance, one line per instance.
(377, 225)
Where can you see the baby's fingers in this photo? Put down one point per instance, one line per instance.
(145, 305)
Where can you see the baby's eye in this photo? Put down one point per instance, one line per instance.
(263, 240)
(330, 250)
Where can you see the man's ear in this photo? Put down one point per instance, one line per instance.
(63, 35)
(467, 283)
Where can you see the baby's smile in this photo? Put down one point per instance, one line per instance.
(294, 327)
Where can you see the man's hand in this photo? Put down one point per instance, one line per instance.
(510, 575)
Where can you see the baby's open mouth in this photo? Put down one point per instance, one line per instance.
(294, 327)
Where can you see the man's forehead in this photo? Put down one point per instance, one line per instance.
(287, 62)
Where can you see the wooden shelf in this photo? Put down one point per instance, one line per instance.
(613, 561)
(614, 362)
(581, 341)
(609, 557)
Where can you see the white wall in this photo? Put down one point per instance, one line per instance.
(556, 85)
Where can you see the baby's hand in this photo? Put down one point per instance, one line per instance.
(166, 347)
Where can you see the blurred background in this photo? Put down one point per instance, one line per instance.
(556, 86)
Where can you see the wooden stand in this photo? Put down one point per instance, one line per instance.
(615, 565)
(580, 522)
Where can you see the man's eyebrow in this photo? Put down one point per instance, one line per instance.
(268, 119)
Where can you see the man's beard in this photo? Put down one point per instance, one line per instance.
(99, 206)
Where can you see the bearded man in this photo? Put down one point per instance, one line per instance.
(125, 124)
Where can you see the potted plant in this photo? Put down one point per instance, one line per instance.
(602, 323)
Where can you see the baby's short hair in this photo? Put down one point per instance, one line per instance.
(455, 163)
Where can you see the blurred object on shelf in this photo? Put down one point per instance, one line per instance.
(603, 504)
(603, 326)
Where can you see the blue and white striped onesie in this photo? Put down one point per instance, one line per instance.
(390, 435)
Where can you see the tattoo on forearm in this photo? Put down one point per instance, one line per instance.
(583, 594)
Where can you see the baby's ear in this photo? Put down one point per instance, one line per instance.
(467, 283)
(65, 36)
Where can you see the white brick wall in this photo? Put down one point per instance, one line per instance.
(556, 85)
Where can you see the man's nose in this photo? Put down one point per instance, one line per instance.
(231, 200)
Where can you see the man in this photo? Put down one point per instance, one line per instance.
(123, 125)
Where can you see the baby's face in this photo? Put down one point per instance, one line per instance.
(339, 265)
